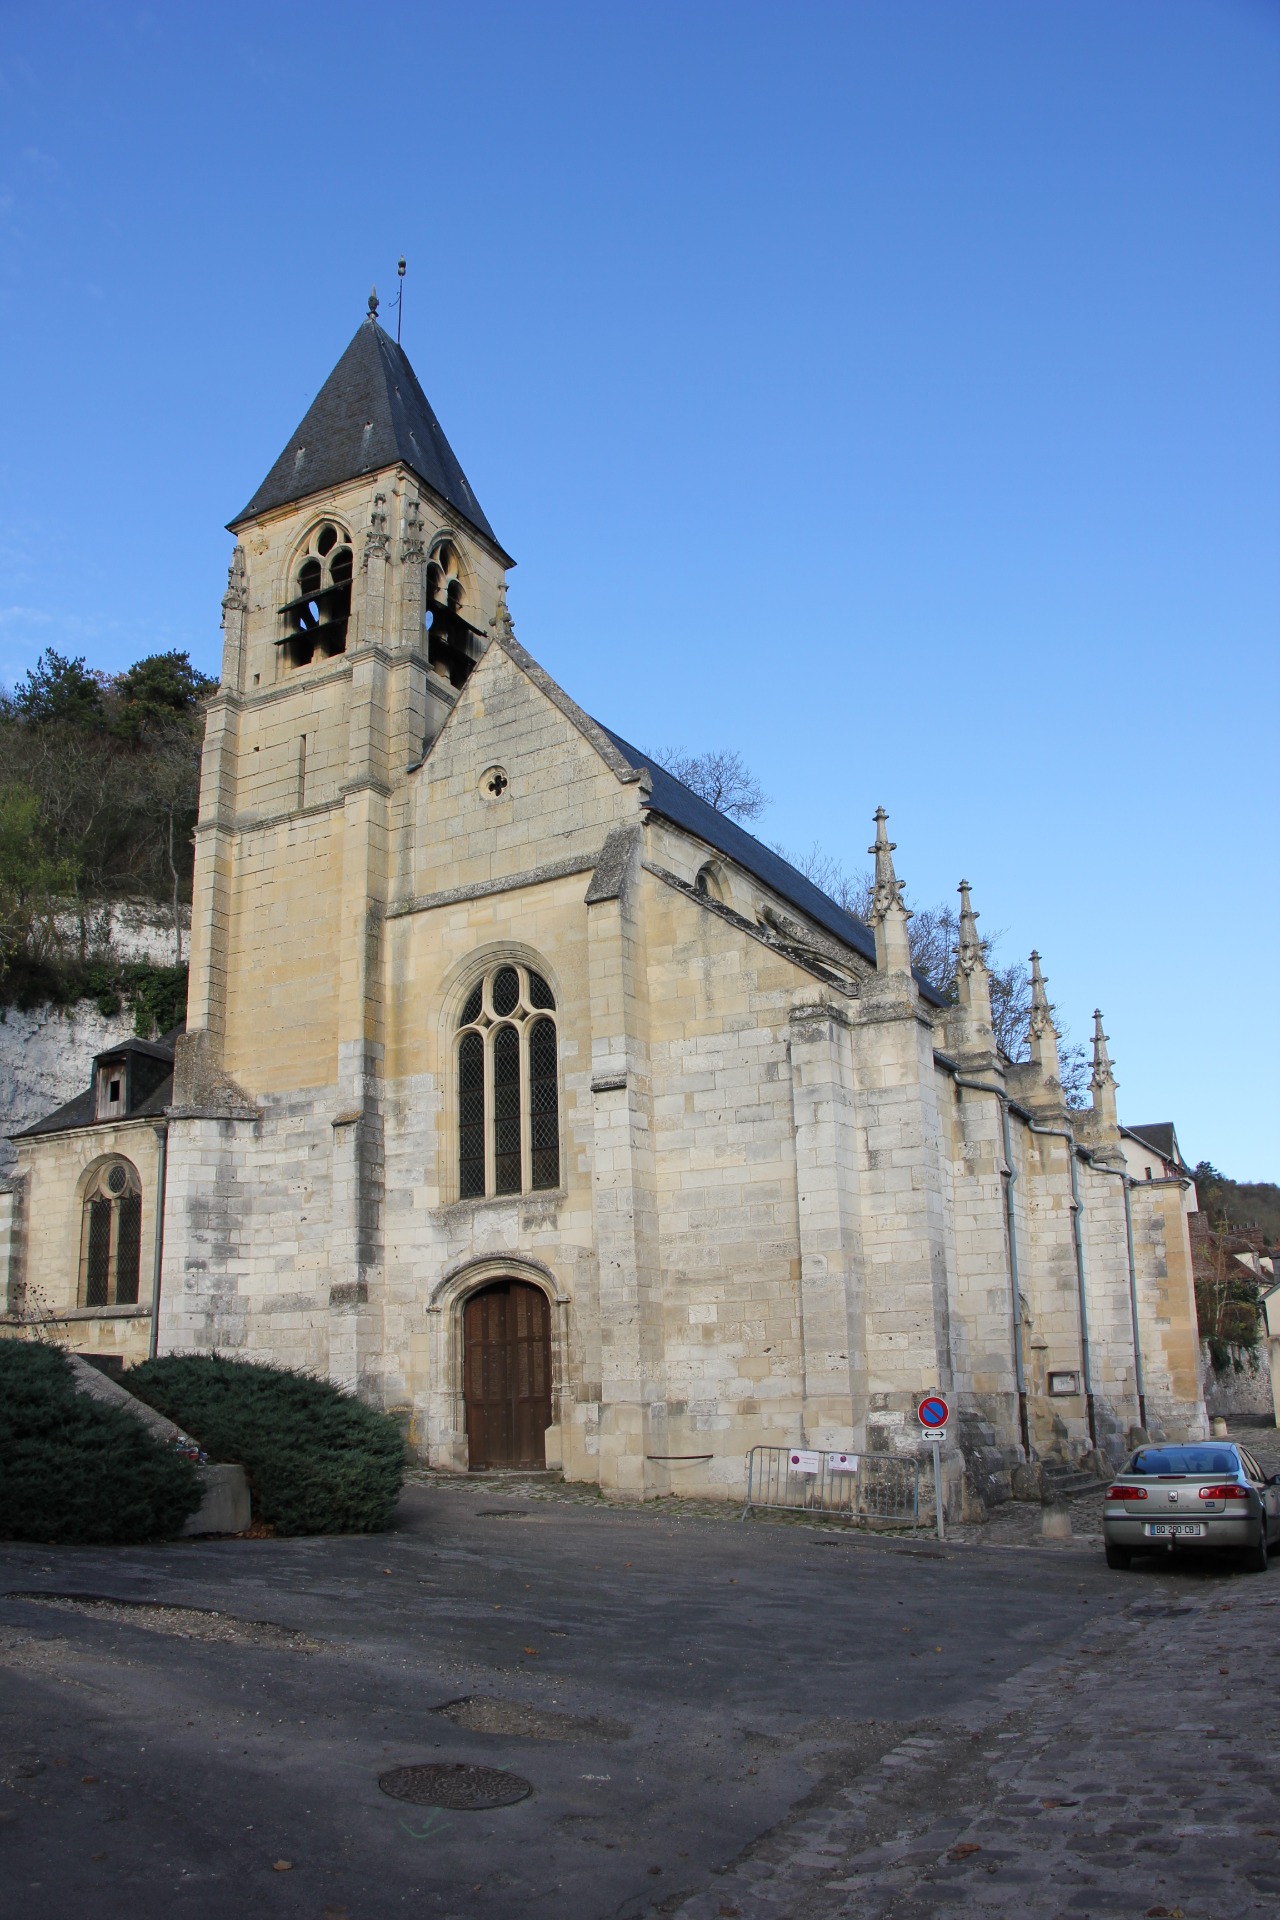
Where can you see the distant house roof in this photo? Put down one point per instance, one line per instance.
(684, 808)
(1159, 1138)
(370, 413)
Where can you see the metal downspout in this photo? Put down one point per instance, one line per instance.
(162, 1140)
(1086, 1364)
(1015, 1289)
(1139, 1379)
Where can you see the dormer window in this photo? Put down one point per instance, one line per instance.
(110, 1101)
(453, 644)
(315, 620)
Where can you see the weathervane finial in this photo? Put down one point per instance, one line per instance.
(373, 303)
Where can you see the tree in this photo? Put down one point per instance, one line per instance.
(171, 793)
(720, 777)
(158, 694)
(58, 689)
(1251, 1206)
(32, 881)
(1227, 1292)
(114, 763)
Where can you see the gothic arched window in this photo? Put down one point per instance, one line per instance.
(315, 618)
(111, 1237)
(508, 1086)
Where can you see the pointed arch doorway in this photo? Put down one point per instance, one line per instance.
(506, 1333)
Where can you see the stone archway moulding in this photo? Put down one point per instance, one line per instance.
(467, 1275)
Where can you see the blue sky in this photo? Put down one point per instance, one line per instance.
(887, 389)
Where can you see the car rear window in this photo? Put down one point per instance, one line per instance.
(1156, 1460)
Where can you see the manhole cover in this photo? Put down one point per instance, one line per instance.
(463, 1788)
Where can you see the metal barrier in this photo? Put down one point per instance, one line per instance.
(864, 1488)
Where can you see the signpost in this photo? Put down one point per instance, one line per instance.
(933, 1414)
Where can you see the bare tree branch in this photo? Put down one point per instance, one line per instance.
(720, 777)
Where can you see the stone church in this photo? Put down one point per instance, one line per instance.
(528, 1095)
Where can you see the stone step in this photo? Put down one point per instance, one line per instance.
(1069, 1483)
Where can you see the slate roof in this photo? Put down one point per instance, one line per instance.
(370, 413)
(153, 1049)
(684, 808)
(79, 1112)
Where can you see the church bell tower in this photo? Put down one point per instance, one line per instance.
(365, 584)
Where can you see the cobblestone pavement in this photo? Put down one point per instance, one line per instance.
(1137, 1775)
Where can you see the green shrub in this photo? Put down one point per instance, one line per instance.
(74, 1472)
(155, 995)
(318, 1460)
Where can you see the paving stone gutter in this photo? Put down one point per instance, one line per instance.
(1136, 1775)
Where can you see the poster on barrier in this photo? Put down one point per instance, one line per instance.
(805, 1460)
(842, 1463)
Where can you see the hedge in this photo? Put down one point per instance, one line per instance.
(317, 1460)
(74, 1472)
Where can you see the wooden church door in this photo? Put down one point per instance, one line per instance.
(506, 1331)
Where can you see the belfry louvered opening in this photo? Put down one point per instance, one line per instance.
(316, 619)
(508, 1086)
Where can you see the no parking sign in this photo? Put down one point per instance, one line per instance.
(933, 1414)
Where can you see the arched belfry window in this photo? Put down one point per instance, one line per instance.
(453, 644)
(316, 617)
(111, 1237)
(508, 1086)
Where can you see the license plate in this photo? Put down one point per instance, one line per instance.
(1185, 1529)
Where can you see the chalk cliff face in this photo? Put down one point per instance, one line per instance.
(45, 1056)
(46, 1052)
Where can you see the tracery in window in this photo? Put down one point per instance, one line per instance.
(315, 619)
(453, 644)
(508, 1086)
(111, 1237)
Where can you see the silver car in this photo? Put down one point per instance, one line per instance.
(1201, 1494)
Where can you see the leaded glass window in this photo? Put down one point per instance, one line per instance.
(111, 1237)
(508, 1086)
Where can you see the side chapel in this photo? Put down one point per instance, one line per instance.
(524, 1093)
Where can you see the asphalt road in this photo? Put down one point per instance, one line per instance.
(732, 1673)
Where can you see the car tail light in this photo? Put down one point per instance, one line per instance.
(1232, 1492)
(1126, 1493)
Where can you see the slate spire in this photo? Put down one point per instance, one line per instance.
(370, 413)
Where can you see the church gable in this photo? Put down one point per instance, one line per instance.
(516, 781)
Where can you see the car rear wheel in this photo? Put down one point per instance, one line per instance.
(1255, 1557)
(1118, 1557)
